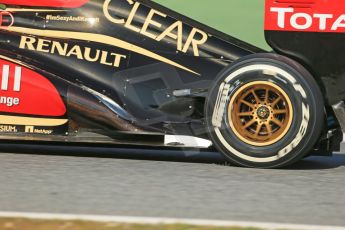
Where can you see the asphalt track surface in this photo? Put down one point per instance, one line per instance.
(172, 184)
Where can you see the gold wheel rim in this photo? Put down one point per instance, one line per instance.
(260, 113)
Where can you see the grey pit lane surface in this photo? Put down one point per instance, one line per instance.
(310, 192)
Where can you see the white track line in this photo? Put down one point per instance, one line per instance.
(154, 220)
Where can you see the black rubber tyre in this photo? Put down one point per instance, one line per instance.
(304, 96)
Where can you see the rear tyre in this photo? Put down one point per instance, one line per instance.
(265, 111)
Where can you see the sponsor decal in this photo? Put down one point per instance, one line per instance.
(90, 20)
(6, 19)
(99, 38)
(8, 100)
(6, 75)
(23, 91)
(64, 49)
(8, 129)
(308, 16)
(29, 125)
(43, 128)
(153, 22)
(33, 129)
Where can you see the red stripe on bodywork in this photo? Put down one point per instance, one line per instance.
(23, 91)
(305, 15)
(46, 3)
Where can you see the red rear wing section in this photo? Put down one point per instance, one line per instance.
(305, 15)
(46, 3)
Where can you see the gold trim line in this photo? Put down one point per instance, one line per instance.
(15, 120)
(14, 61)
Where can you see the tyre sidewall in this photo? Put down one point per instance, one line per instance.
(306, 100)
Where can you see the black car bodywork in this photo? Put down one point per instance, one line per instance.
(155, 86)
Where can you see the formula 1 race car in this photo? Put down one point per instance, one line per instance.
(132, 72)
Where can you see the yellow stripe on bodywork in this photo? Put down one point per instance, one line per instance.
(15, 120)
(99, 38)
